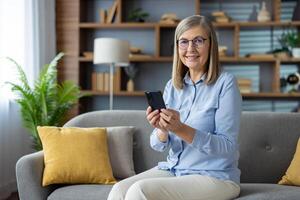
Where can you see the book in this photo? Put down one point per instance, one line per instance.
(112, 12)
(100, 81)
(117, 79)
(94, 81)
(244, 85)
(106, 82)
(102, 16)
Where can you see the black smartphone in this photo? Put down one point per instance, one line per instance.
(155, 100)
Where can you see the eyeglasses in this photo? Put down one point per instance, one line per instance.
(197, 42)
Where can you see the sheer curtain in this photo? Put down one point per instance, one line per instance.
(27, 34)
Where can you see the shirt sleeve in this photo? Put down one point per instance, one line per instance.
(155, 143)
(227, 123)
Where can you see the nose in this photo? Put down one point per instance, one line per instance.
(191, 46)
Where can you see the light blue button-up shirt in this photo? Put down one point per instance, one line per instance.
(214, 111)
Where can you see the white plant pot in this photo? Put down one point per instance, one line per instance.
(296, 52)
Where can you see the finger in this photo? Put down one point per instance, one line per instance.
(165, 117)
(169, 112)
(148, 111)
(163, 123)
(154, 120)
(152, 114)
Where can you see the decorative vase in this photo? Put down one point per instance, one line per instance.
(263, 15)
(130, 85)
(296, 52)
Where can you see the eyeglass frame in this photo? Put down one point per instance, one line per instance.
(193, 43)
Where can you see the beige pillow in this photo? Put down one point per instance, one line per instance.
(120, 148)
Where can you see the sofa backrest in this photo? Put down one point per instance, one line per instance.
(267, 141)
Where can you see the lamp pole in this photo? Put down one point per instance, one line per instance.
(111, 85)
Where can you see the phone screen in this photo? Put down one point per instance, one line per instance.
(155, 100)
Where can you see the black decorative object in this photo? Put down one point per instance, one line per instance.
(283, 84)
(296, 14)
(293, 79)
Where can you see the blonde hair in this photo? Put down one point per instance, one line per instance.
(212, 69)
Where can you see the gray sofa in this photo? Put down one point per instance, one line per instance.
(267, 145)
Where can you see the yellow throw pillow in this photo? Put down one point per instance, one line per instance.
(292, 175)
(75, 155)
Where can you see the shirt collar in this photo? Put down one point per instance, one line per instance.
(187, 79)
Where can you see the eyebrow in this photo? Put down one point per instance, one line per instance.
(183, 38)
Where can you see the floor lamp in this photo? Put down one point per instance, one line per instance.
(114, 52)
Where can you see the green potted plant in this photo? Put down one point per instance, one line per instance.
(47, 102)
(291, 40)
(137, 15)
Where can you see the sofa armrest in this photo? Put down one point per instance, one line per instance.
(29, 173)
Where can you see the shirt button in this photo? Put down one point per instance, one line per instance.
(268, 147)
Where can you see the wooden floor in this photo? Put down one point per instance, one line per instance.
(13, 196)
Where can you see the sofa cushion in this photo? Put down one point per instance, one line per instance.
(251, 191)
(254, 191)
(120, 145)
(80, 192)
(292, 175)
(75, 155)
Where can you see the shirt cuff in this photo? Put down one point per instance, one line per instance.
(156, 143)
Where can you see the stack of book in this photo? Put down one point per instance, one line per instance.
(136, 53)
(222, 50)
(244, 85)
(101, 81)
(108, 16)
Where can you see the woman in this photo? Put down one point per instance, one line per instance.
(200, 126)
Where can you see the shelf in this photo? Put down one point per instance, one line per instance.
(150, 59)
(166, 25)
(290, 60)
(116, 25)
(222, 59)
(246, 59)
(119, 93)
(225, 24)
(271, 95)
(248, 96)
(95, 25)
(264, 24)
(257, 59)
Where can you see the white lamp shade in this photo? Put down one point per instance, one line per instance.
(111, 50)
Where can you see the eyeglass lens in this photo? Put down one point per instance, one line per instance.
(196, 42)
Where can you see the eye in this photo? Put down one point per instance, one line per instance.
(198, 41)
(183, 42)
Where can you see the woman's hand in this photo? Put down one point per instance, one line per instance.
(170, 120)
(153, 119)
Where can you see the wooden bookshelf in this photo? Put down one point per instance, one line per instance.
(73, 28)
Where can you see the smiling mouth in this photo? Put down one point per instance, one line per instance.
(191, 58)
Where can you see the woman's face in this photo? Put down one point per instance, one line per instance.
(193, 48)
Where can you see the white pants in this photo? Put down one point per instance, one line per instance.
(156, 184)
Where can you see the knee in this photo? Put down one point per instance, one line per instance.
(138, 191)
(117, 192)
